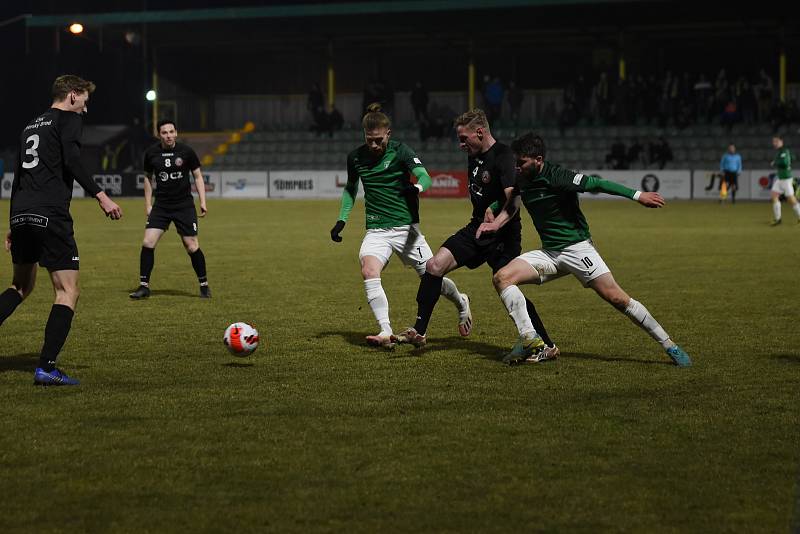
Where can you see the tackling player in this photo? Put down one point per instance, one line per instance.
(384, 167)
(550, 194)
(171, 165)
(783, 184)
(491, 185)
(41, 226)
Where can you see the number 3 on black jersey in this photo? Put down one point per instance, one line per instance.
(34, 140)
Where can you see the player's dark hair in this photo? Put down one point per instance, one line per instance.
(374, 118)
(472, 119)
(777, 136)
(529, 145)
(67, 83)
(162, 122)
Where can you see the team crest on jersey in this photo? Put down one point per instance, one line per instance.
(486, 177)
(178, 162)
(386, 164)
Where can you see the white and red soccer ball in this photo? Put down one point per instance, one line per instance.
(241, 339)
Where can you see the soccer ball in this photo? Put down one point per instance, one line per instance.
(241, 339)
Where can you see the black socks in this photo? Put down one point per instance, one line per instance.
(430, 287)
(199, 266)
(146, 261)
(55, 334)
(537, 323)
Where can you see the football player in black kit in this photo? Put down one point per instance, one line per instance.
(171, 166)
(492, 175)
(41, 225)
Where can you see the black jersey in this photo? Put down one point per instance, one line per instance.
(490, 174)
(172, 170)
(49, 160)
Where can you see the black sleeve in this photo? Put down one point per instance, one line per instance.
(194, 162)
(71, 148)
(508, 169)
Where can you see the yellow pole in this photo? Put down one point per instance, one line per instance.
(471, 89)
(155, 103)
(783, 75)
(331, 85)
(622, 68)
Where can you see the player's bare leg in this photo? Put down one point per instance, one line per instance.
(21, 286)
(146, 261)
(192, 246)
(611, 292)
(65, 285)
(371, 268)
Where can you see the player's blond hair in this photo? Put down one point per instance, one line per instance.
(374, 118)
(67, 83)
(472, 119)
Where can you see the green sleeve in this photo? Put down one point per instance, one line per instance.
(409, 157)
(423, 178)
(782, 160)
(595, 184)
(350, 191)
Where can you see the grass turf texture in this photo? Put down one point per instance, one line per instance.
(317, 431)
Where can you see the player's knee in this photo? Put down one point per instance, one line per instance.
(24, 289)
(191, 246)
(369, 272)
(435, 267)
(501, 280)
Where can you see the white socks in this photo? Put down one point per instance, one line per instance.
(514, 301)
(796, 209)
(450, 292)
(637, 313)
(776, 210)
(376, 297)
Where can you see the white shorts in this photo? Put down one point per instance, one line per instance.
(581, 260)
(784, 186)
(405, 241)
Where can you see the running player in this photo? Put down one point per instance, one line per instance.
(41, 226)
(491, 185)
(170, 165)
(550, 194)
(384, 167)
(783, 184)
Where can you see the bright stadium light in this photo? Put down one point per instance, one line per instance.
(76, 28)
(151, 95)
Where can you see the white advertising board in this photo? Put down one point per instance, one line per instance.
(244, 184)
(671, 184)
(306, 184)
(707, 183)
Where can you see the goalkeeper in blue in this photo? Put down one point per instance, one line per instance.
(550, 194)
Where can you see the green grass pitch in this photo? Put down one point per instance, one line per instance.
(318, 432)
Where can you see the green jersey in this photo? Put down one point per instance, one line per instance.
(783, 163)
(551, 198)
(384, 179)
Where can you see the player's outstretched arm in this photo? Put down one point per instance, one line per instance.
(200, 185)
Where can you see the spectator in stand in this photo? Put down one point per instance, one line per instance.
(335, 120)
(652, 95)
(636, 154)
(765, 93)
(419, 101)
(729, 115)
(746, 101)
(602, 97)
(617, 157)
(316, 106)
(702, 98)
(515, 97)
(722, 93)
(372, 93)
(568, 117)
(731, 167)
(621, 99)
(660, 152)
(583, 93)
(494, 99)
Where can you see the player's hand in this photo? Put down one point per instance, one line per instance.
(409, 190)
(203, 210)
(488, 216)
(8, 241)
(109, 207)
(651, 200)
(337, 228)
(487, 228)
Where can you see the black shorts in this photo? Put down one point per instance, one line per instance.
(185, 219)
(497, 250)
(731, 178)
(44, 236)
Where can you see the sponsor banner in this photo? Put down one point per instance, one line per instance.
(307, 184)
(213, 182)
(447, 184)
(244, 184)
(671, 184)
(707, 183)
(122, 184)
(6, 182)
(761, 183)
